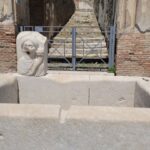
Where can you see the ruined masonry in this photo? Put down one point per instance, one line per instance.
(90, 41)
(132, 20)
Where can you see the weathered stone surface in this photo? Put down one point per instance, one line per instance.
(90, 41)
(84, 4)
(8, 58)
(6, 12)
(32, 48)
(143, 15)
(126, 15)
(104, 10)
(133, 55)
(133, 13)
(39, 127)
(59, 89)
(142, 93)
(8, 89)
(68, 89)
(130, 13)
(112, 93)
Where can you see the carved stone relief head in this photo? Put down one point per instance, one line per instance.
(32, 48)
(29, 47)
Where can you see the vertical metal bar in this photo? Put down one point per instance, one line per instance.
(83, 48)
(112, 46)
(100, 53)
(74, 48)
(112, 39)
(21, 28)
(64, 48)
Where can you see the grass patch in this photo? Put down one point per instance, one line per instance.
(112, 69)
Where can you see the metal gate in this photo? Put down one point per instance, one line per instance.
(79, 55)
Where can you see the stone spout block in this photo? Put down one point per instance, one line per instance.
(32, 53)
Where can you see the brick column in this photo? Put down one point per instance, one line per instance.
(133, 54)
(7, 48)
(133, 45)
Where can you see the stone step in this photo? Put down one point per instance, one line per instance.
(81, 16)
(89, 17)
(80, 32)
(89, 41)
(89, 34)
(83, 19)
(69, 55)
(62, 51)
(79, 23)
(83, 12)
(76, 20)
(84, 29)
(79, 66)
(81, 44)
(85, 39)
(79, 48)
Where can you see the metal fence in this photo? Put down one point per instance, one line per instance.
(74, 50)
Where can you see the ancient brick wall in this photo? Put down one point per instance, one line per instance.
(133, 46)
(133, 54)
(7, 48)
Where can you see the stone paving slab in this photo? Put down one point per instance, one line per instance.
(44, 127)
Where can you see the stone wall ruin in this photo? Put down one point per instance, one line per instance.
(133, 26)
(133, 48)
(16, 13)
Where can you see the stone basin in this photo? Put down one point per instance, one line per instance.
(74, 111)
(78, 88)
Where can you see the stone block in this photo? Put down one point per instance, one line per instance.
(8, 89)
(112, 91)
(54, 89)
(142, 93)
(84, 128)
(143, 15)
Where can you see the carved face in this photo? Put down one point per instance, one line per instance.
(29, 47)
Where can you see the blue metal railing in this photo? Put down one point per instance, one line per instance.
(73, 35)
